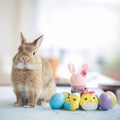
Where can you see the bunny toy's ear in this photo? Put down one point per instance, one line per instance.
(71, 68)
(84, 69)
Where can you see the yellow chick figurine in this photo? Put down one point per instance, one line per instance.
(72, 102)
(88, 101)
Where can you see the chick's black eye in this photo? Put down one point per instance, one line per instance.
(93, 97)
(33, 53)
(74, 99)
(68, 97)
(85, 98)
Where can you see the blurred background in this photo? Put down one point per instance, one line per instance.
(75, 31)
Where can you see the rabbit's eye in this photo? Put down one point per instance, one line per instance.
(33, 53)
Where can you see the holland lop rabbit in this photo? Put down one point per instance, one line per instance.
(32, 75)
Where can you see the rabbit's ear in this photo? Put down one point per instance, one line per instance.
(71, 68)
(37, 42)
(23, 39)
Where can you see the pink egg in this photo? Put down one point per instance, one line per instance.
(105, 101)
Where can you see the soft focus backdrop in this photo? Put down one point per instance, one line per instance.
(74, 31)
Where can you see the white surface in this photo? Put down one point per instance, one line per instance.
(96, 79)
(9, 112)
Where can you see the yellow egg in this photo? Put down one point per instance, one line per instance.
(113, 97)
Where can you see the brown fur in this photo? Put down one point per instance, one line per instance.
(32, 75)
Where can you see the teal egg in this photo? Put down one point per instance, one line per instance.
(57, 101)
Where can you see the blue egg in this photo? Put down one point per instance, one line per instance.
(57, 101)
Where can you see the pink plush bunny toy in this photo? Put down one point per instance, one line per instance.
(78, 80)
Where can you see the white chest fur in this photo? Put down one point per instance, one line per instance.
(24, 66)
(24, 89)
(28, 66)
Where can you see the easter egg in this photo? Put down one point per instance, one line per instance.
(57, 101)
(113, 97)
(105, 101)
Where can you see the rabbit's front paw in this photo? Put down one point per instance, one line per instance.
(18, 103)
(30, 105)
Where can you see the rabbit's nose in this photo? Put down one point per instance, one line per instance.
(24, 59)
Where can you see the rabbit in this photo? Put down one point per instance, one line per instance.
(32, 75)
(78, 80)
